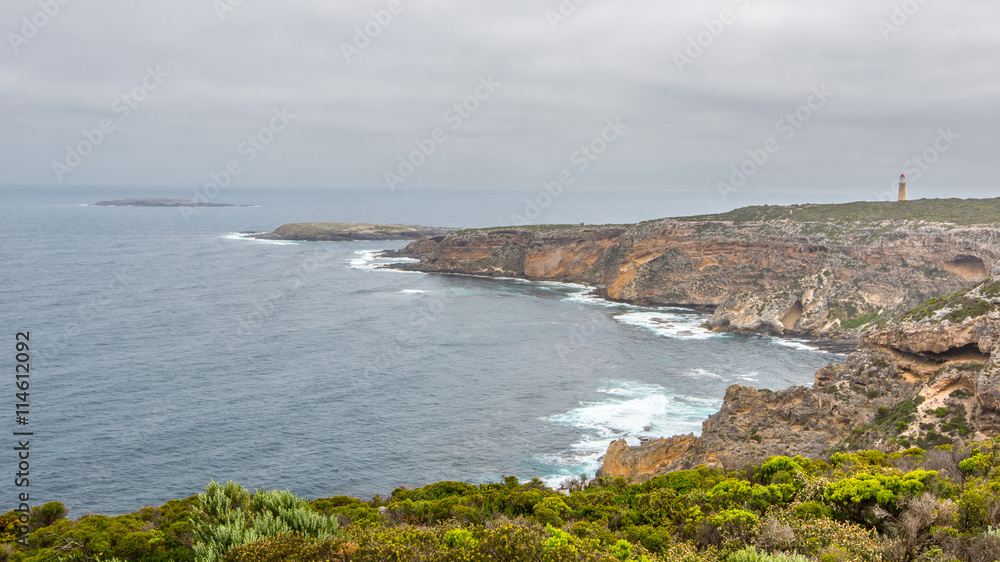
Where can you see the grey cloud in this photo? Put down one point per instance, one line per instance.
(607, 59)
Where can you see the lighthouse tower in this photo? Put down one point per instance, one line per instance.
(902, 187)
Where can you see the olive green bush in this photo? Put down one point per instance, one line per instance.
(230, 516)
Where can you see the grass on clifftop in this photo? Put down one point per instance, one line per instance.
(957, 211)
(540, 228)
(319, 228)
(958, 306)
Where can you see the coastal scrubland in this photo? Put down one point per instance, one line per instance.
(954, 211)
(939, 504)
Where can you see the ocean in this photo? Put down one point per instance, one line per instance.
(167, 350)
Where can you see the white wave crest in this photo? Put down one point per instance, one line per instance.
(370, 260)
(668, 324)
(633, 410)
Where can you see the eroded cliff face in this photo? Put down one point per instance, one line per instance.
(928, 378)
(560, 254)
(781, 277)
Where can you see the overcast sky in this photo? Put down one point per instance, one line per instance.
(838, 96)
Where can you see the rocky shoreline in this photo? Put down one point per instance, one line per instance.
(929, 378)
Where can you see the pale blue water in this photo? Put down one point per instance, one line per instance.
(167, 352)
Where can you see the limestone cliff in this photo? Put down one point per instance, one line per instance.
(823, 271)
(930, 377)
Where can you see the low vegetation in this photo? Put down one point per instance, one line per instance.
(957, 306)
(940, 504)
(955, 211)
(539, 228)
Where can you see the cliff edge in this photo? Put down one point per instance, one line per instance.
(927, 378)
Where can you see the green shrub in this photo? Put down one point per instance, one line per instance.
(622, 550)
(684, 481)
(460, 538)
(819, 535)
(549, 511)
(860, 458)
(811, 510)
(655, 539)
(743, 494)
(232, 516)
(979, 464)
(47, 514)
(327, 505)
(858, 495)
(735, 525)
(396, 544)
(286, 547)
(751, 554)
(134, 545)
(434, 491)
(975, 504)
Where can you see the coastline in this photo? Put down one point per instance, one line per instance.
(590, 295)
(825, 281)
(830, 345)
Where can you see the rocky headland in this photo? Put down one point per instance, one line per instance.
(929, 377)
(823, 271)
(350, 231)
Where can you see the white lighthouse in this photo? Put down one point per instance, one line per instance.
(902, 187)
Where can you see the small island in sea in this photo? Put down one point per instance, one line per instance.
(350, 231)
(161, 202)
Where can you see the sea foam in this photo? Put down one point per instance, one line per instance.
(370, 260)
(667, 324)
(630, 411)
